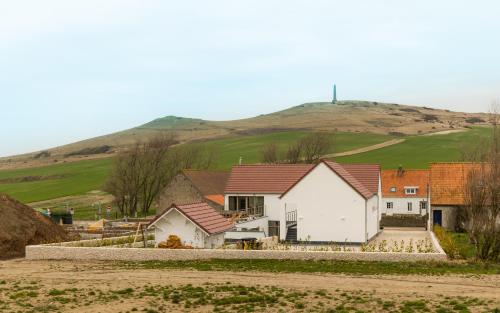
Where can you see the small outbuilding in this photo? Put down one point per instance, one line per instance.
(190, 186)
(197, 225)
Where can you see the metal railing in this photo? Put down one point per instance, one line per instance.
(291, 216)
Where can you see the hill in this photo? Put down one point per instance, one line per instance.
(344, 116)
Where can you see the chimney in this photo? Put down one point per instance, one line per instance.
(401, 171)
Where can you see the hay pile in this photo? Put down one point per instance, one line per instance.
(20, 225)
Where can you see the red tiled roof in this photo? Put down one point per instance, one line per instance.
(408, 178)
(358, 176)
(202, 215)
(279, 178)
(208, 182)
(367, 174)
(448, 182)
(265, 178)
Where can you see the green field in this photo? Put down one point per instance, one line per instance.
(419, 151)
(250, 148)
(77, 178)
(73, 178)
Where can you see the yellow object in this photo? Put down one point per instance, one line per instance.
(97, 226)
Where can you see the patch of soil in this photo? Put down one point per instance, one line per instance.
(20, 225)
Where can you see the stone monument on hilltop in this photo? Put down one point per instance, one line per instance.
(334, 100)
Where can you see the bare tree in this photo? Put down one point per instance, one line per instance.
(294, 153)
(270, 153)
(314, 146)
(140, 173)
(482, 197)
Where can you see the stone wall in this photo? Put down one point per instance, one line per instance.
(179, 190)
(51, 252)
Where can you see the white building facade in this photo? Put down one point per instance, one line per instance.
(325, 203)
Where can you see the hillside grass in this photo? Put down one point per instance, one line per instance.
(250, 148)
(80, 177)
(73, 179)
(418, 151)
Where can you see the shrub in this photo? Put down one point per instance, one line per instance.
(473, 120)
(430, 118)
(173, 242)
(447, 243)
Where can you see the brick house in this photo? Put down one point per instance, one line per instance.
(448, 192)
(405, 192)
(192, 186)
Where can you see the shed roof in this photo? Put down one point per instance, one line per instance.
(448, 182)
(201, 214)
(406, 178)
(208, 182)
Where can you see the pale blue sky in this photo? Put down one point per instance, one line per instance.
(71, 70)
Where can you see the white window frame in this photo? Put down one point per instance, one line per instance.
(389, 205)
(423, 205)
(394, 189)
(411, 190)
(410, 206)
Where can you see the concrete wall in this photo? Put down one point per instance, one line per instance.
(449, 216)
(372, 217)
(328, 209)
(47, 252)
(400, 205)
(261, 223)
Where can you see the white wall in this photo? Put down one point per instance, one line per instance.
(271, 208)
(372, 217)
(328, 209)
(260, 223)
(400, 206)
(174, 223)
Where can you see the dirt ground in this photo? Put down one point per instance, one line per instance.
(105, 287)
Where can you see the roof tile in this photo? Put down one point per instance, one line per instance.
(202, 215)
(407, 178)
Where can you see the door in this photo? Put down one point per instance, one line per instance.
(437, 217)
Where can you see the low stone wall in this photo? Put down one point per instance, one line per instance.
(49, 252)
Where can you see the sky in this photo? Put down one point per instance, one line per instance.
(71, 70)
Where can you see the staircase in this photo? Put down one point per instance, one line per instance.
(291, 234)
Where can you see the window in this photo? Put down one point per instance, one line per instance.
(393, 189)
(410, 190)
(390, 205)
(410, 206)
(253, 205)
(274, 228)
(423, 205)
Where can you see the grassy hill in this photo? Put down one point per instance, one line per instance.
(75, 178)
(75, 170)
(345, 116)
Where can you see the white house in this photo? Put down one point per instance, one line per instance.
(319, 203)
(197, 224)
(405, 192)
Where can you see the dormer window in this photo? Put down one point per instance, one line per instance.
(393, 189)
(411, 190)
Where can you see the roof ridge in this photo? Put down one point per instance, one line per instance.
(349, 175)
